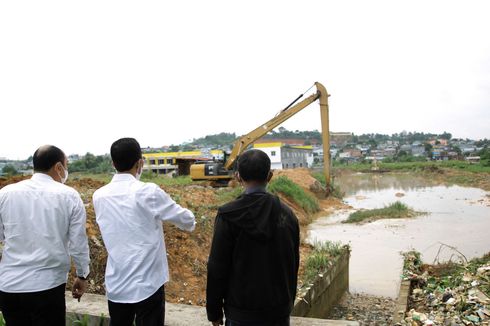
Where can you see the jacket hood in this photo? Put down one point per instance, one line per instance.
(257, 214)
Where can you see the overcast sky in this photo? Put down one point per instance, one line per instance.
(81, 74)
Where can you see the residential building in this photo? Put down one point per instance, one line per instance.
(440, 141)
(406, 148)
(466, 149)
(283, 156)
(418, 150)
(289, 141)
(353, 152)
(340, 139)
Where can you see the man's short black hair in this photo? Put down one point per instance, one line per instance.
(254, 165)
(125, 152)
(45, 157)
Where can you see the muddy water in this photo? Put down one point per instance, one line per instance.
(455, 216)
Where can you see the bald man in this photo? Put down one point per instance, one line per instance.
(42, 223)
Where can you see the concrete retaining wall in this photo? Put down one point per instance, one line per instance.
(402, 301)
(94, 309)
(326, 290)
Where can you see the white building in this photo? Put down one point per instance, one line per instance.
(287, 157)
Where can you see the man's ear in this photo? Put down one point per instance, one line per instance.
(237, 177)
(60, 166)
(269, 177)
(136, 165)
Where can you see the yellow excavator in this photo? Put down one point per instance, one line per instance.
(220, 173)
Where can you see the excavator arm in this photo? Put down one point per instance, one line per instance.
(243, 142)
(220, 173)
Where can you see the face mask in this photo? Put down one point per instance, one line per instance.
(63, 179)
(138, 174)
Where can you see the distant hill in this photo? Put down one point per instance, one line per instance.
(221, 139)
(225, 138)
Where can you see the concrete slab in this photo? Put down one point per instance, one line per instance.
(95, 306)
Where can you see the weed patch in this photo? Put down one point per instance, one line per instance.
(285, 186)
(394, 210)
(320, 259)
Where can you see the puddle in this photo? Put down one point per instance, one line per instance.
(456, 216)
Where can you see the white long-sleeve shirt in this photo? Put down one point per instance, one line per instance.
(42, 224)
(130, 214)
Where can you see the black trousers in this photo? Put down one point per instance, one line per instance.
(44, 308)
(149, 312)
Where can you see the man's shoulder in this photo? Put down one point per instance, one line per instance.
(287, 211)
(67, 189)
(135, 187)
(148, 186)
(17, 188)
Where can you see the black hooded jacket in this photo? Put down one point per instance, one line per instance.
(254, 260)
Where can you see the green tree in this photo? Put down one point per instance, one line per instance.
(10, 170)
(92, 163)
(445, 135)
(428, 150)
(174, 148)
(187, 148)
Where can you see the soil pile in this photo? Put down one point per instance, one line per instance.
(310, 185)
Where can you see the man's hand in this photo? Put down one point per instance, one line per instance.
(79, 288)
(217, 323)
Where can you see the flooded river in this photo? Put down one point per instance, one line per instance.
(455, 216)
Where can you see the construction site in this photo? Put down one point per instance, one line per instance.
(187, 251)
(350, 269)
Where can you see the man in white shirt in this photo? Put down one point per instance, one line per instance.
(42, 224)
(130, 214)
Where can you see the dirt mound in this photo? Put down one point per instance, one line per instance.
(310, 185)
(301, 177)
(9, 180)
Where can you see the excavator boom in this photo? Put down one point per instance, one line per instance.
(213, 172)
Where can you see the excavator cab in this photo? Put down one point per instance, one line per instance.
(212, 170)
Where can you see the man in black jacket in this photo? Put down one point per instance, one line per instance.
(254, 258)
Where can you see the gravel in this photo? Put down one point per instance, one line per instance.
(364, 308)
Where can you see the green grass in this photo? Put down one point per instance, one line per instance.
(84, 320)
(394, 210)
(287, 187)
(2, 321)
(320, 259)
(417, 166)
(104, 177)
(146, 177)
(167, 181)
(227, 194)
